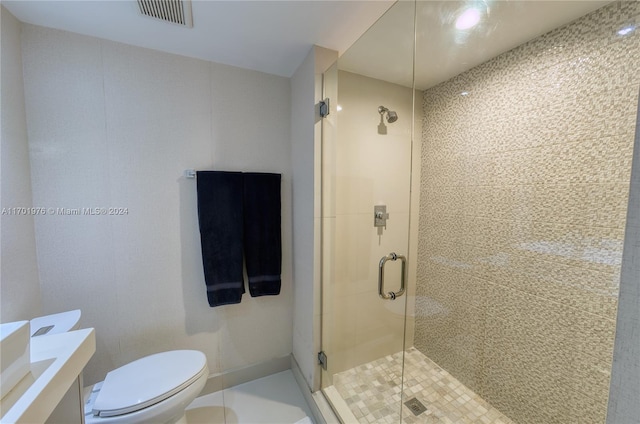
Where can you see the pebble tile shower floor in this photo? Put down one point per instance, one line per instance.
(372, 392)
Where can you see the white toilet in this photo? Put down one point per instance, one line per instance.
(153, 389)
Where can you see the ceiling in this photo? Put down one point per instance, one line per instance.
(385, 51)
(275, 36)
(267, 36)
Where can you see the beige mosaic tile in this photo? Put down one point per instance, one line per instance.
(524, 192)
(375, 394)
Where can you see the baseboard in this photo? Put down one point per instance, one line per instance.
(221, 381)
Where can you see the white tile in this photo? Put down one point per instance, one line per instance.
(254, 329)
(20, 284)
(251, 113)
(372, 168)
(158, 245)
(142, 85)
(68, 97)
(359, 248)
(112, 125)
(208, 409)
(75, 257)
(274, 399)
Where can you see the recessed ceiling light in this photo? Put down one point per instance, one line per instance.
(468, 19)
(339, 108)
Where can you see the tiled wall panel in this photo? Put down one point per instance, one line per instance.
(113, 125)
(524, 196)
(365, 168)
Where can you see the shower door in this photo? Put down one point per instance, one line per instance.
(525, 169)
(367, 269)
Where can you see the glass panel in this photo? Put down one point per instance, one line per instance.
(525, 177)
(367, 154)
(524, 132)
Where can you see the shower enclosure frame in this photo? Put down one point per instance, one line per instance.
(388, 275)
(327, 253)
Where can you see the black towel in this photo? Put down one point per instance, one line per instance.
(220, 213)
(262, 238)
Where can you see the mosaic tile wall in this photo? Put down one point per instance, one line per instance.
(526, 163)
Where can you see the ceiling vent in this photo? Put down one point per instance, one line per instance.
(175, 11)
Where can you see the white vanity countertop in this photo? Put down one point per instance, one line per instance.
(56, 362)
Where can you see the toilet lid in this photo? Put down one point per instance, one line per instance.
(147, 381)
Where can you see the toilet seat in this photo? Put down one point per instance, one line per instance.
(147, 381)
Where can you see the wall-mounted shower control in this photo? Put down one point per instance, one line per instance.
(380, 216)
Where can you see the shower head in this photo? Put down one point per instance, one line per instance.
(391, 115)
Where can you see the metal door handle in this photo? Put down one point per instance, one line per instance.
(391, 295)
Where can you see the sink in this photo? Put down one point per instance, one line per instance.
(14, 357)
(55, 323)
(55, 362)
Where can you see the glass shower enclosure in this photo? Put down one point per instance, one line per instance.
(475, 185)
(367, 158)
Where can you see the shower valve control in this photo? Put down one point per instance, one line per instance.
(380, 216)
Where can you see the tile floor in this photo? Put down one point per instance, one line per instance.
(372, 392)
(275, 399)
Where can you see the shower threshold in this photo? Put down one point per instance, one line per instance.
(372, 393)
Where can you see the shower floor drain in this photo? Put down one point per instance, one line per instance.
(415, 406)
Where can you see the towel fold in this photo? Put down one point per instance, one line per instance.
(220, 216)
(262, 233)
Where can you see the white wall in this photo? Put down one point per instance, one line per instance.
(20, 294)
(306, 139)
(111, 125)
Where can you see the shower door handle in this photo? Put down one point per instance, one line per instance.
(391, 295)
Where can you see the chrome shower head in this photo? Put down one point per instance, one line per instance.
(391, 115)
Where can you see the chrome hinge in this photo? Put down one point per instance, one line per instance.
(322, 360)
(324, 107)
